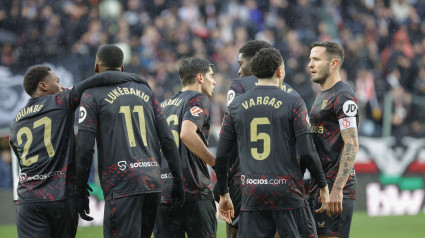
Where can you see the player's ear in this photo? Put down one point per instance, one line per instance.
(96, 68)
(122, 68)
(279, 72)
(42, 85)
(199, 78)
(334, 63)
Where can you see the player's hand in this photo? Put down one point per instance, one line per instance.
(83, 207)
(335, 204)
(225, 208)
(88, 190)
(177, 194)
(324, 200)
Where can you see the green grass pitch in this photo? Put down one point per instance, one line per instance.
(363, 226)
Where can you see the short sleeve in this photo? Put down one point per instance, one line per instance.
(235, 89)
(300, 117)
(198, 110)
(227, 131)
(87, 119)
(346, 105)
(157, 109)
(68, 98)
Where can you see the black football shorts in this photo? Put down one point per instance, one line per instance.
(47, 219)
(132, 216)
(335, 225)
(196, 218)
(294, 223)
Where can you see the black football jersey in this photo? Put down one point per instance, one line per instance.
(265, 122)
(236, 88)
(124, 117)
(42, 137)
(331, 105)
(193, 106)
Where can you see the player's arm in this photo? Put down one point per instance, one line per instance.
(99, 80)
(346, 110)
(348, 156)
(235, 89)
(194, 143)
(108, 78)
(225, 206)
(310, 159)
(169, 149)
(171, 153)
(226, 144)
(84, 159)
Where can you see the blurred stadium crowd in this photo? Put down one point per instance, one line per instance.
(384, 43)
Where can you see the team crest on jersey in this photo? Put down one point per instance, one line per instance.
(324, 104)
(230, 97)
(350, 108)
(83, 114)
(195, 111)
(346, 123)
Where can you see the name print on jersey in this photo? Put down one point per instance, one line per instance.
(262, 101)
(120, 91)
(28, 110)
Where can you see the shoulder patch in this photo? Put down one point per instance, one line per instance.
(230, 96)
(350, 108)
(195, 111)
(82, 114)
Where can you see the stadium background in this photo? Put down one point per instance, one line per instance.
(383, 41)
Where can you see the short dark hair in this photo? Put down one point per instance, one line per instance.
(265, 63)
(190, 67)
(333, 50)
(110, 55)
(251, 47)
(35, 75)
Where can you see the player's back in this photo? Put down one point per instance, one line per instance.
(42, 136)
(123, 116)
(193, 106)
(242, 85)
(266, 120)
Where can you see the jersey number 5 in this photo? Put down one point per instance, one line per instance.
(260, 136)
(129, 125)
(47, 122)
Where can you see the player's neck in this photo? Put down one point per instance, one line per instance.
(40, 93)
(268, 82)
(194, 87)
(330, 82)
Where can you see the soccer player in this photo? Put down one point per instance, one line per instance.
(188, 115)
(130, 130)
(268, 124)
(42, 138)
(334, 118)
(237, 87)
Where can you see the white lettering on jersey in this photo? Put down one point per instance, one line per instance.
(347, 122)
(350, 108)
